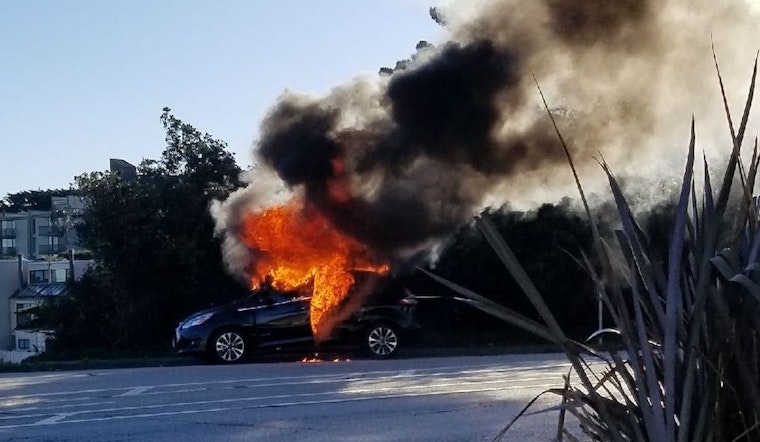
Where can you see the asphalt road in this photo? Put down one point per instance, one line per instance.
(421, 399)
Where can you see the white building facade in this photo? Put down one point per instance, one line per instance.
(25, 284)
(40, 233)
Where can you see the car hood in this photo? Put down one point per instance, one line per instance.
(215, 309)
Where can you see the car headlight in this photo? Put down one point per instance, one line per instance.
(197, 320)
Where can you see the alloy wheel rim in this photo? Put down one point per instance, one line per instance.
(382, 341)
(230, 346)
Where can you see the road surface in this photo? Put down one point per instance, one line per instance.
(419, 399)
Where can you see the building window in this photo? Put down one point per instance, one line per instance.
(23, 344)
(59, 275)
(23, 319)
(58, 244)
(8, 228)
(8, 246)
(38, 276)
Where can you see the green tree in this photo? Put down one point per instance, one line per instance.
(31, 200)
(152, 238)
(546, 241)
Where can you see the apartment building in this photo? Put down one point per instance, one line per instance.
(40, 233)
(36, 261)
(25, 284)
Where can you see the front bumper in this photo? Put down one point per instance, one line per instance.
(185, 341)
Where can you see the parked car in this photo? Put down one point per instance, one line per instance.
(269, 319)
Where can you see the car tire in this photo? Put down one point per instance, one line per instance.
(381, 340)
(228, 346)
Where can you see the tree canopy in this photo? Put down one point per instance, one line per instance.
(31, 200)
(547, 242)
(152, 238)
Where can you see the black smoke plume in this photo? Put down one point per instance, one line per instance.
(419, 152)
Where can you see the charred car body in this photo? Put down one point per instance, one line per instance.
(268, 319)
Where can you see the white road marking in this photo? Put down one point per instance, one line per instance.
(50, 401)
(268, 405)
(366, 390)
(53, 419)
(437, 371)
(136, 390)
(315, 379)
(65, 393)
(359, 386)
(55, 407)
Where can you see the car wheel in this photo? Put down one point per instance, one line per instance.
(381, 340)
(228, 346)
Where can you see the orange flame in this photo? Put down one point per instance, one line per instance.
(317, 359)
(296, 247)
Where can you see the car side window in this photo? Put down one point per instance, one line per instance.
(269, 297)
(280, 298)
(264, 297)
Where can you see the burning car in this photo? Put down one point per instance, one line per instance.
(270, 319)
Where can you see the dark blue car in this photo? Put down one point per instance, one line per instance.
(269, 319)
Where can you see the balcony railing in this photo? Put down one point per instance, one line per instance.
(50, 231)
(8, 251)
(8, 232)
(47, 249)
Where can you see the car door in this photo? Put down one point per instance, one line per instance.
(245, 314)
(282, 318)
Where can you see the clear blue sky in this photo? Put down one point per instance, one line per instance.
(85, 81)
